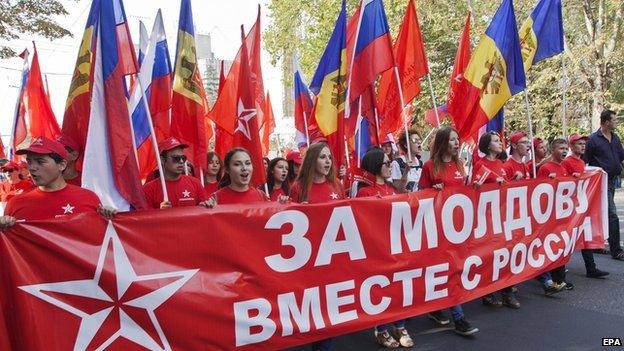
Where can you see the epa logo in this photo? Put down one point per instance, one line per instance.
(611, 342)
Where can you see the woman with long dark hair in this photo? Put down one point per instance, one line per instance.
(213, 173)
(376, 167)
(445, 170)
(490, 169)
(317, 181)
(235, 186)
(277, 181)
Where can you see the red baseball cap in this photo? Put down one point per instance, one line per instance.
(294, 156)
(170, 143)
(10, 165)
(386, 140)
(516, 136)
(576, 137)
(67, 141)
(44, 146)
(537, 142)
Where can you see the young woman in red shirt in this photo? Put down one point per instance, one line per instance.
(317, 181)
(490, 168)
(377, 171)
(213, 173)
(444, 170)
(277, 182)
(236, 184)
(541, 154)
(14, 185)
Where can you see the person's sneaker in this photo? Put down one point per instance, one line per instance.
(463, 328)
(439, 318)
(514, 289)
(553, 289)
(597, 273)
(491, 300)
(568, 286)
(511, 302)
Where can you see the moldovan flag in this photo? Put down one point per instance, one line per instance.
(155, 78)
(373, 48)
(411, 62)
(78, 105)
(110, 167)
(495, 73)
(247, 133)
(541, 35)
(189, 104)
(303, 104)
(330, 84)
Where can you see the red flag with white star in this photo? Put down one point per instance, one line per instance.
(247, 132)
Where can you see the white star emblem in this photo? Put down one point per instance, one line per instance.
(457, 174)
(68, 209)
(334, 196)
(186, 193)
(119, 318)
(243, 118)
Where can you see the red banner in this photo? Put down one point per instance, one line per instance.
(271, 276)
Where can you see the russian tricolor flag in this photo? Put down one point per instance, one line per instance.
(373, 48)
(303, 104)
(155, 75)
(110, 168)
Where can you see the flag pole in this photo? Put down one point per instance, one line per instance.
(347, 152)
(530, 125)
(407, 138)
(163, 185)
(305, 123)
(564, 119)
(435, 107)
(359, 135)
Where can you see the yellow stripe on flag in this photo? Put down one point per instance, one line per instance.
(331, 98)
(528, 42)
(80, 80)
(186, 71)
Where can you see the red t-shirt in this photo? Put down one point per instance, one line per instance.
(551, 167)
(450, 175)
(227, 196)
(37, 204)
(511, 167)
(319, 192)
(184, 191)
(495, 167)
(277, 193)
(77, 181)
(529, 164)
(8, 190)
(376, 190)
(211, 188)
(573, 164)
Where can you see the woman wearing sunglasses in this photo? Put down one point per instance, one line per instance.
(183, 190)
(14, 185)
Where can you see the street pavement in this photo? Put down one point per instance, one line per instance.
(572, 320)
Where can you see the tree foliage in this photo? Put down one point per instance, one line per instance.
(18, 17)
(591, 68)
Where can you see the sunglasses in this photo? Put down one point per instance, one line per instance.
(178, 158)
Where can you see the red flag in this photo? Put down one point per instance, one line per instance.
(462, 58)
(223, 139)
(42, 120)
(268, 125)
(411, 61)
(225, 110)
(247, 133)
(2, 151)
(189, 102)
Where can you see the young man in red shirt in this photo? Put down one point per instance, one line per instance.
(575, 166)
(52, 197)
(183, 190)
(515, 168)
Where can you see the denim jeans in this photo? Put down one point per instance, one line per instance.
(545, 279)
(614, 221)
(457, 312)
(397, 324)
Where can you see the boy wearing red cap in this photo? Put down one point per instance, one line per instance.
(575, 166)
(53, 197)
(71, 173)
(14, 185)
(514, 168)
(183, 190)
